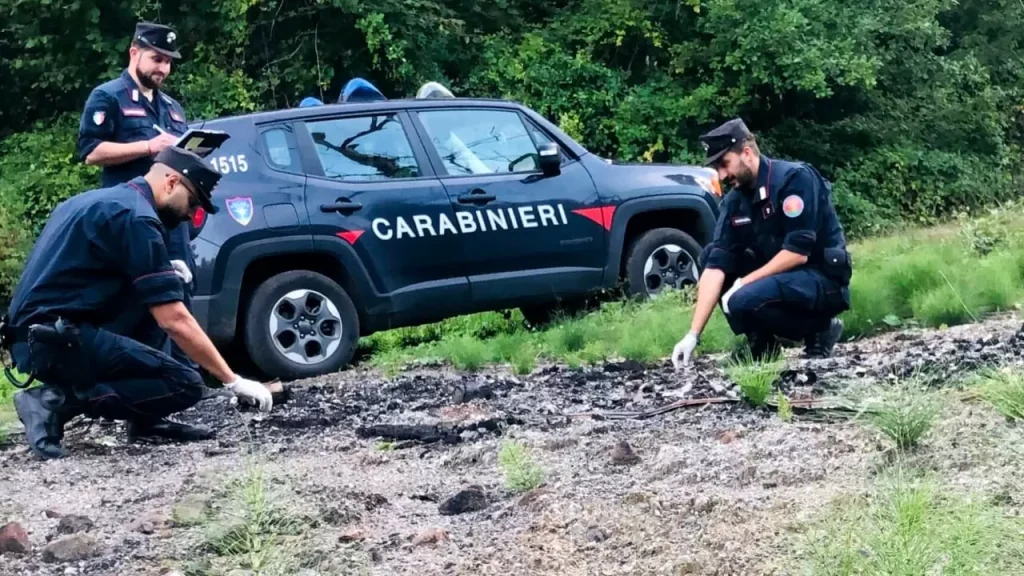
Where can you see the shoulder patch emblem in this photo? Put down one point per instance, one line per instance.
(177, 117)
(793, 206)
(240, 209)
(98, 117)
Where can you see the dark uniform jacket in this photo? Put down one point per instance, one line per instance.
(100, 252)
(790, 208)
(116, 111)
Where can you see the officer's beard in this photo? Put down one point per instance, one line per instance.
(745, 180)
(146, 79)
(170, 217)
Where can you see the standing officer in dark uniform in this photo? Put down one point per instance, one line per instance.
(72, 321)
(129, 120)
(778, 247)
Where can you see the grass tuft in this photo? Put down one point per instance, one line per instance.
(466, 352)
(755, 379)
(518, 467)
(255, 531)
(909, 527)
(1004, 390)
(785, 409)
(904, 414)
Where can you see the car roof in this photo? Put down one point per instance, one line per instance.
(297, 113)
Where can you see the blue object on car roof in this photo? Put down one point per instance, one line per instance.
(310, 101)
(359, 90)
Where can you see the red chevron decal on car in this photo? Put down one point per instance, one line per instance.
(351, 236)
(602, 215)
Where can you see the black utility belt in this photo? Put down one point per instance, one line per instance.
(57, 332)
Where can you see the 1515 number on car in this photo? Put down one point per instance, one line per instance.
(227, 164)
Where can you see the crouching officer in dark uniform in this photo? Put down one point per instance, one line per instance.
(72, 322)
(127, 121)
(778, 251)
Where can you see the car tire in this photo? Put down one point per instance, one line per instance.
(324, 327)
(660, 257)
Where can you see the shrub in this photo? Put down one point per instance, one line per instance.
(38, 170)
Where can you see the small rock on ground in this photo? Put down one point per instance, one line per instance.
(150, 523)
(13, 538)
(471, 499)
(191, 509)
(73, 548)
(430, 536)
(354, 535)
(623, 454)
(73, 523)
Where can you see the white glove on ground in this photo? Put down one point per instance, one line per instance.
(684, 348)
(725, 299)
(252, 392)
(181, 269)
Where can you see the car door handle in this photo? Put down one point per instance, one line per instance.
(341, 205)
(475, 196)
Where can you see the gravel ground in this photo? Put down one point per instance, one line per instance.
(713, 489)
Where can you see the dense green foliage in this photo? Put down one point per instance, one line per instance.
(914, 109)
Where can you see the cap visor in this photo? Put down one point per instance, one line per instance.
(712, 159)
(175, 54)
(209, 207)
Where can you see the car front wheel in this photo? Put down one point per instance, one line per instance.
(659, 259)
(301, 324)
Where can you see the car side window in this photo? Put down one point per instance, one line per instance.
(364, 148)
(282, 151)
(472, 142)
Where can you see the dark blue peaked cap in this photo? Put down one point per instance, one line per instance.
(191, 166)
(158, 37)
(718, 141)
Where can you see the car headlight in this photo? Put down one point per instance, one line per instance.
(710, 184)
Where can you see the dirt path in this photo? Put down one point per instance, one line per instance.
(719, 489)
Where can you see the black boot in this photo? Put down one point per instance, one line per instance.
(763, 346)
(167, 428)
(820, 344)
(44, 410)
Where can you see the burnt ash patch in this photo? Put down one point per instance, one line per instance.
(420, 407)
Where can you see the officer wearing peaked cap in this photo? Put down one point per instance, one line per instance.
(73, 321)
(778, 252)
(129, 120)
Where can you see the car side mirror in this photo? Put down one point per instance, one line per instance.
(550, 159)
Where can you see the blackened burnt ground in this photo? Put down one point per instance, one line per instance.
(371, 465)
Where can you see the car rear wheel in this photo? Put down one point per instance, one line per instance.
(300, 324)
(659, 259)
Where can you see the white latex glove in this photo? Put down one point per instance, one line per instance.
(252, 392)
(684, 348)
(725, 299)
(181, 269)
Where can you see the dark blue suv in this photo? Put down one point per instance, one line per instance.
(346, 219)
